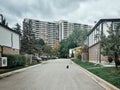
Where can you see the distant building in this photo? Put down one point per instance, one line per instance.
(94, 46)
(66, 28)
(63, 30)
(39, 28)
(9, 41)
(52, 32)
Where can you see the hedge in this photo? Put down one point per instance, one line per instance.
(15, 60)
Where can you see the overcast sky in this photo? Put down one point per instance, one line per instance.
(80, 11)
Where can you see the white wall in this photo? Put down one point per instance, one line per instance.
(105, 28)
(9, 38)
(16, 43)
(92, 39)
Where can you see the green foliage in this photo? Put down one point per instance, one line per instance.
(17, 28)
(41, 42)
(111, 43)
(3, 20)
(30, 45)
(77, 38)
(28, 42)
(55, 50)
(15, 60)
(109, 74)
(86, 65)
(47, 50)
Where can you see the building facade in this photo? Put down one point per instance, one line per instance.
(63, 30)
(94, 38)
(66, 28)
(9, 41)
(52, 33)
(38, 28)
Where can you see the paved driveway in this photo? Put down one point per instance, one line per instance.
(51, 75)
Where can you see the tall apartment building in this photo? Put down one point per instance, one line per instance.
(63, 30)
(66, 28)
(39, 28)
(48, 31)
(52, 32)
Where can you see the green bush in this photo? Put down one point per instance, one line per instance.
(15, 60)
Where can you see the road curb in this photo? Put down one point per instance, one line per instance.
(99, 80)
(15, 71)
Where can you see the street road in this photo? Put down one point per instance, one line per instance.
(50, 75)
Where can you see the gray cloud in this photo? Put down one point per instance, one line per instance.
(83, 11)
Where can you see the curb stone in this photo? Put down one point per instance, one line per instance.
(99, 80)
(15, 71)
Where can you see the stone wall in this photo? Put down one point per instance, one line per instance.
(94, 53)
(95, 56)
(8, 50)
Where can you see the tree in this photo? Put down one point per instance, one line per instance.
(27, 45)
(76, 39)
(38, 48)
(111, 44)
(63, 49)
(41, 42)
(47, 50)
(28, 42)
(55, 49)
(3, 20)
(17, 28)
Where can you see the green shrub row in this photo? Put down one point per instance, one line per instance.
(15, 60)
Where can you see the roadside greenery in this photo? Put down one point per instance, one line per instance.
(5, 70)
(76, 39)
(55, 50)
(15, 60)
(28, 42)
(110, 74)
(111, 44)
(17, 28)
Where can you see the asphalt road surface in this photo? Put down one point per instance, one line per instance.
(50, 75)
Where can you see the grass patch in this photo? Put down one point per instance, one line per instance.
(5, 70)
(87, 65)
(110, 74)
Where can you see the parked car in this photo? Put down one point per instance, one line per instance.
(44, 57)
(38, 59)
